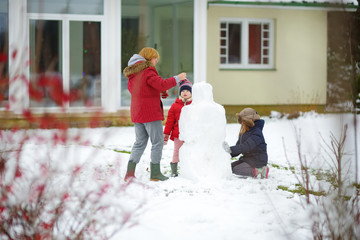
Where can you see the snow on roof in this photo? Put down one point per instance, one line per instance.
(323, 3)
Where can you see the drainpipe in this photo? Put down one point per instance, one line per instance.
(18, 56)
(200, 40)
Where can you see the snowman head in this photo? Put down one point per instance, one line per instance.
(202, 92)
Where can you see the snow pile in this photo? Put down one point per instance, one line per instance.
(178, 209)
(202, 127)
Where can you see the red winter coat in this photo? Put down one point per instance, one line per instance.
(145, 86)
(172, 122)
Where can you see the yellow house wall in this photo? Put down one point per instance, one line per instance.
(300, 59)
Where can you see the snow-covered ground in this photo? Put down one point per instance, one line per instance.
(233, 208)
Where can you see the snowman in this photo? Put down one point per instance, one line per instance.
(202, 127)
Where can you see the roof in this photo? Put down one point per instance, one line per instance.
(352, 4)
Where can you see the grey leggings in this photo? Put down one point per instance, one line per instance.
(143, 131)
(242, 168)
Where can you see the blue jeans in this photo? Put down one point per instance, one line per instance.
(143, 131)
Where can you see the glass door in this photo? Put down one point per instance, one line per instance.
(164, 25)
(65, 53)
(46, 63)
(173, 37)
(85, 63)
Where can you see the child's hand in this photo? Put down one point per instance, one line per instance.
(164, 94)
(226, 147)
(166, 138)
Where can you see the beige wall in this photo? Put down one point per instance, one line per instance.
(300, 53)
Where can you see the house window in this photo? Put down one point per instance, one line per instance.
(4, 56)
(85, 63)
(246, 43)
(65, 50)
(91, 7)
(46, 65)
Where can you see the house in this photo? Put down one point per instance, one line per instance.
(63, 60)
(272, 55)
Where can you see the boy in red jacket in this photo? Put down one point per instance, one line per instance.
(172, 123)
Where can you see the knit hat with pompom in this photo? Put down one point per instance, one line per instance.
(185, 85)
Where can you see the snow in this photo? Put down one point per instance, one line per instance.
(181, 208)
(202, 127)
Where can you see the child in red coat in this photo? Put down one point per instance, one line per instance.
(172, 123)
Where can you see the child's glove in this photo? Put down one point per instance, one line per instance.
(166, 138)
(164, 94)
(226, 147)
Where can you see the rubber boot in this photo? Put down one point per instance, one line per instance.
(155, 173)
(262, 172)
(174, 172)
(130, 173)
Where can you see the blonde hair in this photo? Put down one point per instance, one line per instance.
(246, 124)
(149, 53)
(246, 118)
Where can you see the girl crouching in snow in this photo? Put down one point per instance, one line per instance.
(172, 122)
(251, 144)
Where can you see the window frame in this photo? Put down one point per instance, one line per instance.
(4, 104)
(244, 47)
(65, 20)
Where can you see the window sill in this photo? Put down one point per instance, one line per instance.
(247, 69)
